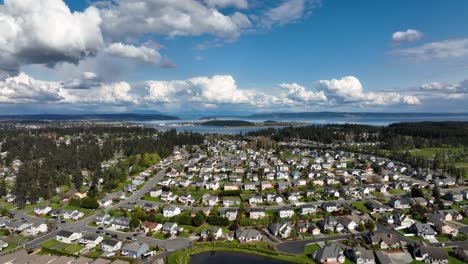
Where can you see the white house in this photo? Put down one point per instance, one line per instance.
(68, 237)
(111, 245)
(36, 228)
(285, 213)
(42, 210)
(170, 211)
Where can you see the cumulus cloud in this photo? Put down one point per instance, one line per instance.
(350, 90)
(298, 93)
(444, 90)
(452, 48)
(219, 89)
(24, 89)
(112, 93)
(410, 35)
(288, 11)
(142, 53)
(46, 32)
(239, 4)
(411, 100)
(127, 18)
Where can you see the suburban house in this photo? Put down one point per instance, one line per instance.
(283, 230)
(214, 232)
(330, 224)
(36, 228)
(285, 213)
(362, 255)
(248, 235)
(257, 213)
(329, 207)
(150, 226)
(255, 199)
(134, 250)
(72, 214)
(111, 245)
(422, 230)
(103, 219)
(121, 223)
(307, 209)
(42, 210)
(170, 228)
(230, 214)
(171, 211)
(431, 254)
(384, 240)
(91, 240)
(68, 237)
(329, 254)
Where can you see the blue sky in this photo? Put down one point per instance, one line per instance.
(287, 55)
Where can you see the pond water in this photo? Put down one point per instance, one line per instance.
(231, 258)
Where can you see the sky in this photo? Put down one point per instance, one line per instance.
(233, 56)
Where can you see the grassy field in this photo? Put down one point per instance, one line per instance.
(259, 249)
(430, 152)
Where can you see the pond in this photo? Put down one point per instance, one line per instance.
(231, 258)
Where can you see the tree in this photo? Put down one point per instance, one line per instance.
(134, 222)
(198, 220)
(89, 203)
(361, 227)
(3, 190)
(416, 192)
(370, 225)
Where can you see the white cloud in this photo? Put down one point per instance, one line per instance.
(112, 93)
(438, 86)
(411, 100)
(129, 18)
(288, 11)
(141, 53)
(452, 48)
(410, 35)
(298, 93)
(46, 32)
(349, 90)
(239, 4)
(219, 89)
(24, 89)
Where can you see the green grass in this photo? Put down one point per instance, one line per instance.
(430, 152)
(159, 236)
(397, 191)
(360, 206)
(72, 249)
(309, 249)
(50, 243)
(10, 246)
(152, 199)
(261, 249)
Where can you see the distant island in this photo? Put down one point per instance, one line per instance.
(349, 115)
(228, 123)
(89, 117)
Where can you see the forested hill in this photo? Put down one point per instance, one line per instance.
(399, 135)
(90, 117)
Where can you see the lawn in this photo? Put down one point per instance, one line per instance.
(50, 243)
(309, 249)
(159, 236)
(152, 199)
(360, 206)
(397, 191)
(72, 248)
(10, 246)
